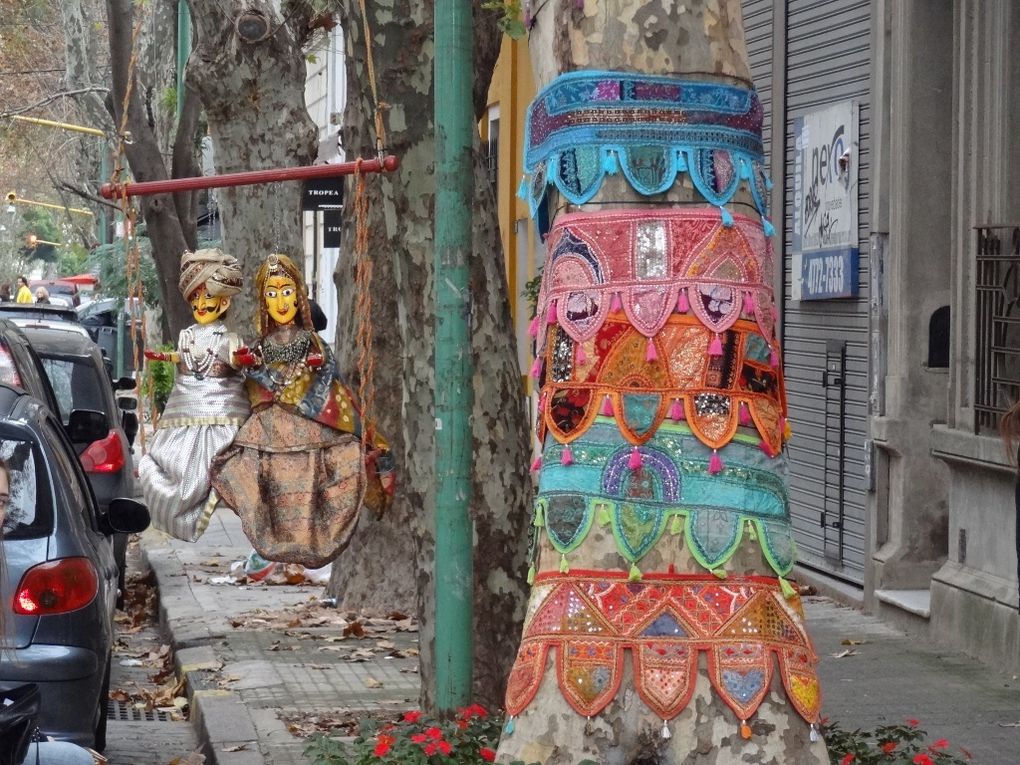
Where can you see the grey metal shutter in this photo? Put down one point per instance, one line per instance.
(828, 60)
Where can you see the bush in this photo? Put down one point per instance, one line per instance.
(889, 745)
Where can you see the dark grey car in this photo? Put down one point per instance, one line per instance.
(59, 585)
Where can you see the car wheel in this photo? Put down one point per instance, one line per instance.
(104, 695)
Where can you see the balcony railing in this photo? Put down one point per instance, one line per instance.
(997, 321)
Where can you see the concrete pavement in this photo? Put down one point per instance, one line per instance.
(265, 662)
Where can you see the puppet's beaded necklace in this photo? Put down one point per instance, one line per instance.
(294, 354)
(204, 364)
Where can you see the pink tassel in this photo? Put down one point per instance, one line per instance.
(536, 368)
(607, 407)
(615, 305)
(581, 357)
(763, 445)
(681, 302)
(676, 411)
(748, 304)
(773, 357)
(744, 415)
(533, 327)
(541, 404)
(550, 315)
(715, 463)
(635, 460)
(715, 348)
(567, 458)
(650, 354)
(537, 464)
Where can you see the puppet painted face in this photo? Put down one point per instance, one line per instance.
(207, 308)
(281, 296)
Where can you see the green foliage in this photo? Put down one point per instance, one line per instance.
(110, 262)
(530, 292)
(168, 100)
(159, 380)
(510, 21)
(72, 260)
(38, 222)
(890, 745)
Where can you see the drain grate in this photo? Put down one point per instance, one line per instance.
(118, 710)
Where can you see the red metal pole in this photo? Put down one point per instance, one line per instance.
(387, 164)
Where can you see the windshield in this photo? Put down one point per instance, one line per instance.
(22, 516)
(76, 383)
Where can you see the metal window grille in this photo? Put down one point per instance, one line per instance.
(997, 320)
(493, 153)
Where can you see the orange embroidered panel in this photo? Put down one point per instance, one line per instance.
(642, 381)
(745, 625)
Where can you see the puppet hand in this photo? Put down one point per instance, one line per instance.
(315, 360)
(155, 355)
(245, 357)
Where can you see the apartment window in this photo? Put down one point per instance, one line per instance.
(997, 321)
(492, 153)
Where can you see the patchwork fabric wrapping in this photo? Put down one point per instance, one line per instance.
(587, 124)
(671, 489)
(655, 263)
(613, 374)
(745, 627)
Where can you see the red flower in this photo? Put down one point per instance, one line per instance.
(487, 754)
(412, 717)
(966, 753)
(847, 759)
(431, 749)
(444, 747)
(940, 744)
(923, 759)
(434, 732)
(462, 724)
(888, 747)
(419, 738)
(383, 744)
(913, 723)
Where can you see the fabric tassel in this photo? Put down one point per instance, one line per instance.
(604, 516)
(715, 347)
(766, 449)
(533, 327)
(650, 352)
(522, 190)
(745, 729)
(676, 411)
(676, 525)
(727, 217)
(567, 457)
(748, 304)
(550, 315)
(665, 731)
(715, 463)
(634, 575)
(787, 430)
(773, 357)
(719, 573)
(564, 566)
(814, 735)
(540, 406)
(539, 521)
(609, 163)
(744, 415)
(536, 368)
(768, 229)
(508, 729)
(615, 305)
(787, 588)
(537, 464)
(681, 302)
(636, 461)
(752, 532)
(531, 574)
(607, 406)
(581, 357)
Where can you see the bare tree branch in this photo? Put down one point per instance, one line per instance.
(55, 97)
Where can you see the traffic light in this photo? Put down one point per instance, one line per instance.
(12, 197)
(32, 240)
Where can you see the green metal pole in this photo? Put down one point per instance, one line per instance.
(454, 571)
(183, 50)
(104, 173)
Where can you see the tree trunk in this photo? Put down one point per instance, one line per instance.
(391, 559)
(253, 94)
(697, 40)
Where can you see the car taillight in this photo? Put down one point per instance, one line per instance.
(56, 587)
(8, 372)
(103, 456)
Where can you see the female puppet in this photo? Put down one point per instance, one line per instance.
(207, 405)
(298, 472)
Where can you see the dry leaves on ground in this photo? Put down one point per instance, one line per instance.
(341, 722)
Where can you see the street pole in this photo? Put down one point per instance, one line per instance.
(454, 397)
(183, 50)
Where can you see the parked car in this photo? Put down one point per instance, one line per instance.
(100, 319)
(20, 365)
(47, 311)
(60, 291)
(59, 584)
(80, 380)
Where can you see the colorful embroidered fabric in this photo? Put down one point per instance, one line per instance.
(639, 492)
(615, 374)
(587, 124)
(589, 619)
(652, 264)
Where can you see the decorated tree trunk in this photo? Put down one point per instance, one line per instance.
(659, 629)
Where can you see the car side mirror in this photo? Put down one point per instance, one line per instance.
(127, 403)
(86, 425)
(125, 516)
(129, 421)
(124, 383)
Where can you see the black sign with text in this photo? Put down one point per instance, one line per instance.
(322, 193)
(332, 222)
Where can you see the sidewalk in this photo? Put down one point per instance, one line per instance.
(260, 658)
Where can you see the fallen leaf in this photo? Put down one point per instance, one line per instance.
(371, 682)
(851, 641)
(236, 748)
(844, 654)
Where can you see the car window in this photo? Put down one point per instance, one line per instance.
(25, 515)
(69, 471)
(76, 383)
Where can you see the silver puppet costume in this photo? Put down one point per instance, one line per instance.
(206, 407)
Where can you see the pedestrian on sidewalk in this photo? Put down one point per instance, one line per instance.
(1011, 434)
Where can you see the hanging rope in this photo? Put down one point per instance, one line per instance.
(363, 307)
(380, 106)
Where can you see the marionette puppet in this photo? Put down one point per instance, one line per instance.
(301, 467)
(207, 405)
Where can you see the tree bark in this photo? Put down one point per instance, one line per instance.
(699, 39)
(392, 557)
